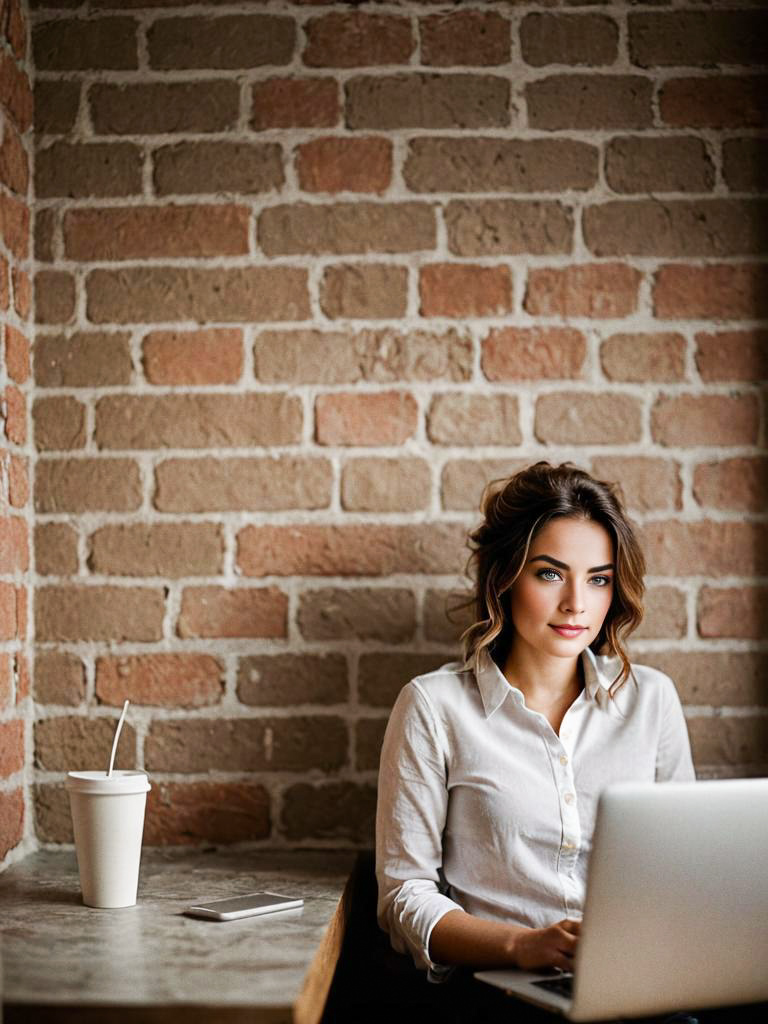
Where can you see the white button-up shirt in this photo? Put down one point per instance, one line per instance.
(483, 807)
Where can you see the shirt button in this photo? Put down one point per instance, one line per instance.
(568, 845)
(563, 759)
(568, 798)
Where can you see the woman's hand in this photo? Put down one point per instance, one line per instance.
(554, 946)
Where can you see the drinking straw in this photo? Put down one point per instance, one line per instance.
(117, 737)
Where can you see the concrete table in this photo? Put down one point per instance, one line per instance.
(63, 962)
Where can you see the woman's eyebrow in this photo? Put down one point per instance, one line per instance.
(562, 565)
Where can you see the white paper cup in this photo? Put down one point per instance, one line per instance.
(108, 821)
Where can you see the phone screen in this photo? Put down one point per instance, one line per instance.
(251, 901)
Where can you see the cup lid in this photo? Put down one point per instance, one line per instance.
(98, 782)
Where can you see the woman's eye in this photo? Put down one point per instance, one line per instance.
(548, 574)
(602, 581)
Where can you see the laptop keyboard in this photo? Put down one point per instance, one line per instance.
(562, 985)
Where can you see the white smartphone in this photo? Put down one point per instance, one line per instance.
(248, 905)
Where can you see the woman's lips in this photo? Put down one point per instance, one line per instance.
(568, 631)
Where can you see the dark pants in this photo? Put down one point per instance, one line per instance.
(375, 985)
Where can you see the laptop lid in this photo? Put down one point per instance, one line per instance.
(676, 911)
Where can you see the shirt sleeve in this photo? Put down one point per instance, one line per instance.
(673, 756)
(410, 818)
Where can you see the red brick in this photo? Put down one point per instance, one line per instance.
(738, 484)
(370, 291)
(533, 353)
(22, 292)
(494, 227)
(197, 420)
(351, 40)
(5, 292)
(578, 417)
(59, 423)
(385, 614)
(53, 817)
(80, 613)
(14, 162)
(722, 291)
(14, 545)
(159, 108)
(218, 612)
(460, 418)
(230, 41)
(745, 164)
(160, 680)
(21, 670)
(18, 482)
(15, 415)
(345, 165)
(56, 106)
(734, 745)
(725, 101)
(87, 485)
(463, 481)
(220, 484)
(295, 103)
(143, 232)
(381, 676)
(77, 44)
(170, 550)
(203, 357)
(54, 297)
(6, 682)
(16, 92)
(286, 680)
(369, 736)
(59, 678)
(647, 483)
(643, 357)
(478, 38)
(343, 811)
(733, 612)
(83, 359)
(11, 820)
(352, 227)
(385, 485)
(86, 169)
(584, 102)
(56, 549)
(15, 224)
(373, 418)
(299, 743)
(11, 748)
(458, 290)
(182, 813)
(691, 420)
(675, 228)
(733, 355)
(705, 548)
(455, 164)
(665, 615)
(590, 289)
(717, 678)
(16, 354)
(696, 38)
(433, 101)
(16, 31)
(22, 614)
(73, 743)
(7, 611)
(568, 39)
(358, 550)
(209, 168)
(638, 163)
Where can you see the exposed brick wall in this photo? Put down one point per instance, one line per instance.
(309, 274)
(15, 440)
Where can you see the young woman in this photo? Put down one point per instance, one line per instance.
(491, 768)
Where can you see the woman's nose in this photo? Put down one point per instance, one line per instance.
(573, 600)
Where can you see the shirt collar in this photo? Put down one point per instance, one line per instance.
(494, 688)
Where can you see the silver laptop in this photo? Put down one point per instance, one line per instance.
(676, 910)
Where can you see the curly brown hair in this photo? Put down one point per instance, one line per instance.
(513, 514)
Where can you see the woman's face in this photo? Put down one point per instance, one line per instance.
(567, 581)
